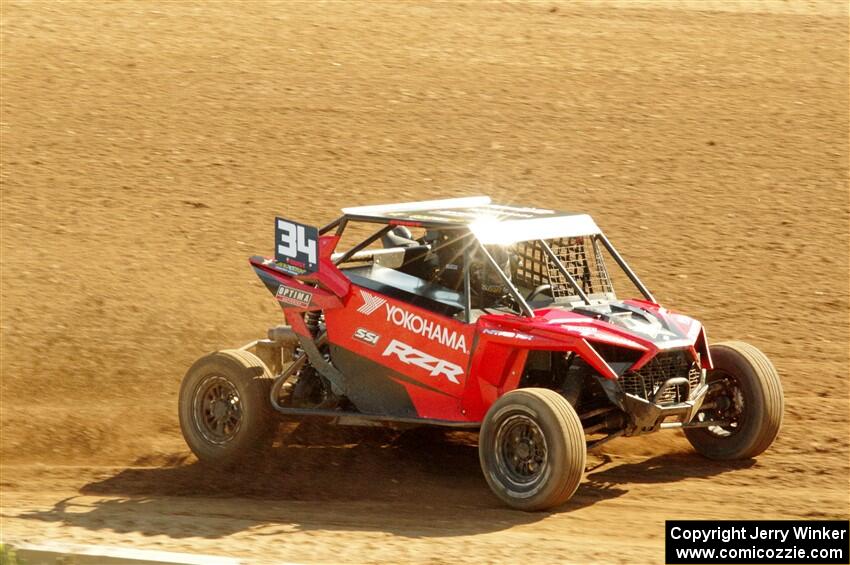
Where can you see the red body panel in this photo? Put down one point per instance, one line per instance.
(452, 370)
(427, 348)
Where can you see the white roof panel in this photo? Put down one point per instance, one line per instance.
(504, 232)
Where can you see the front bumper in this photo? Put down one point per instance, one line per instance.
(648, 416)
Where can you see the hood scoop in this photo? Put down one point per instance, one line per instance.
(630, 318)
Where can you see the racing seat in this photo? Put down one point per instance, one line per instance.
(416, 260)
(399, 236)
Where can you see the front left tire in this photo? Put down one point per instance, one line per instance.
(532, 449)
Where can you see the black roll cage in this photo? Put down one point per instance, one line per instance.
(342, 222)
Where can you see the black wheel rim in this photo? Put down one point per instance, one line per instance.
(521, 451)
(733, 412)
(217, 409)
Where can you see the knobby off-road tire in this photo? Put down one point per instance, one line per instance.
(760, 391)
(532, 449)
(225, 412)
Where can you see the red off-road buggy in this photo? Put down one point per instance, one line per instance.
(467, 314)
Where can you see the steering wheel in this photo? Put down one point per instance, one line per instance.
(538, 290)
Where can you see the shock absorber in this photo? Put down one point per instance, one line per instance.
(311, 320)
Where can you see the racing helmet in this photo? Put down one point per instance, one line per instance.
(484, 277)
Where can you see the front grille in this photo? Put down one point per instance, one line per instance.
(645, 382)
(694, 376)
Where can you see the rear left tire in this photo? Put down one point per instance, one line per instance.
(224, 407)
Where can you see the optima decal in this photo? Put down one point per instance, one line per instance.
(293, 296)
(428, 328)
(411, 356)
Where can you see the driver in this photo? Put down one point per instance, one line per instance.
(488, 288)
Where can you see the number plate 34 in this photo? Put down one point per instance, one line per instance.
(296, 245)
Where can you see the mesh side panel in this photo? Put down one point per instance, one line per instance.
(645, 382)
(531, 268)
(579, 255)
(582, 259)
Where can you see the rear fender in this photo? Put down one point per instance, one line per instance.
(324, 289)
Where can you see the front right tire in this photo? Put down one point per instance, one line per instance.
(532, 449)
(747, 396)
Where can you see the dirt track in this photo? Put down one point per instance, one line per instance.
(146, 147)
